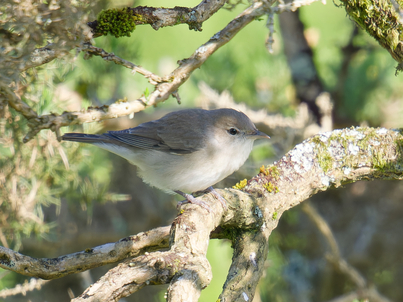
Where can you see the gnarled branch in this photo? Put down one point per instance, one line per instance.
(324, 161)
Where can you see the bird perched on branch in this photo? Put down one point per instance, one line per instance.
(185, 151)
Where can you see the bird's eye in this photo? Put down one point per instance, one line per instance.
(233, 131)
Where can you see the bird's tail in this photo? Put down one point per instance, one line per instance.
(84, 138)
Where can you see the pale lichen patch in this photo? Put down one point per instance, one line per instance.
(381, 131)
(353, 149)
(325, 180)
(302, 156)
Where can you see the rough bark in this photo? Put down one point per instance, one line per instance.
(322, 162)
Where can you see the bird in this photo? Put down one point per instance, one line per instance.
(185, 151)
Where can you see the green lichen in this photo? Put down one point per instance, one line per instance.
(270, 171)
(180, 19)
(380, 163)
(117, 22)
(274, 215)
(240, 185)
(380, 20)
(325, 160)
(271, 188)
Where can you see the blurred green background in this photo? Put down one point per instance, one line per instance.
(83, 200)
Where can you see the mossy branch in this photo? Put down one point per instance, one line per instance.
(122, 22)
(382, 21)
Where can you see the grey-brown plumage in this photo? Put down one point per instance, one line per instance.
(188, 150)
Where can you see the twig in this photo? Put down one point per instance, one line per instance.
(168, 86)
(364, 289)
(87, 47)
(33, 284)
(44, 55)
(15, 102)
(187, 66)
(294, 5)
(322, 226)
(212, 99)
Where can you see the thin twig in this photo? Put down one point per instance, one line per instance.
(87, 47)
(33, 284)
(364, 290)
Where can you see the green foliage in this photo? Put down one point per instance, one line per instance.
(37, 174)
(118, 22)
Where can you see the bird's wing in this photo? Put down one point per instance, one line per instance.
(168, 134)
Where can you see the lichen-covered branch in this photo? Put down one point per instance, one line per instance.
(324, 161)
(121, 22)
(381, 20)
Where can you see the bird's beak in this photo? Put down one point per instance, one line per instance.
(259, 134)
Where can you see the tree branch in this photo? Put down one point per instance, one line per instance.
(319, 163)
(52, 268)
(324, 161)
(163, 90)
(380, 20)
(162, 17)
(164, 87)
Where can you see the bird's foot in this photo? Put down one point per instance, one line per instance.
(193, 200)
(218, 196)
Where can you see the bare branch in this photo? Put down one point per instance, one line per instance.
(187, 66)
(169, 85)
(185, 263)
(212, 99)
(46, 268)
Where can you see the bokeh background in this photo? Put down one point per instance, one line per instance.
(80, 193)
